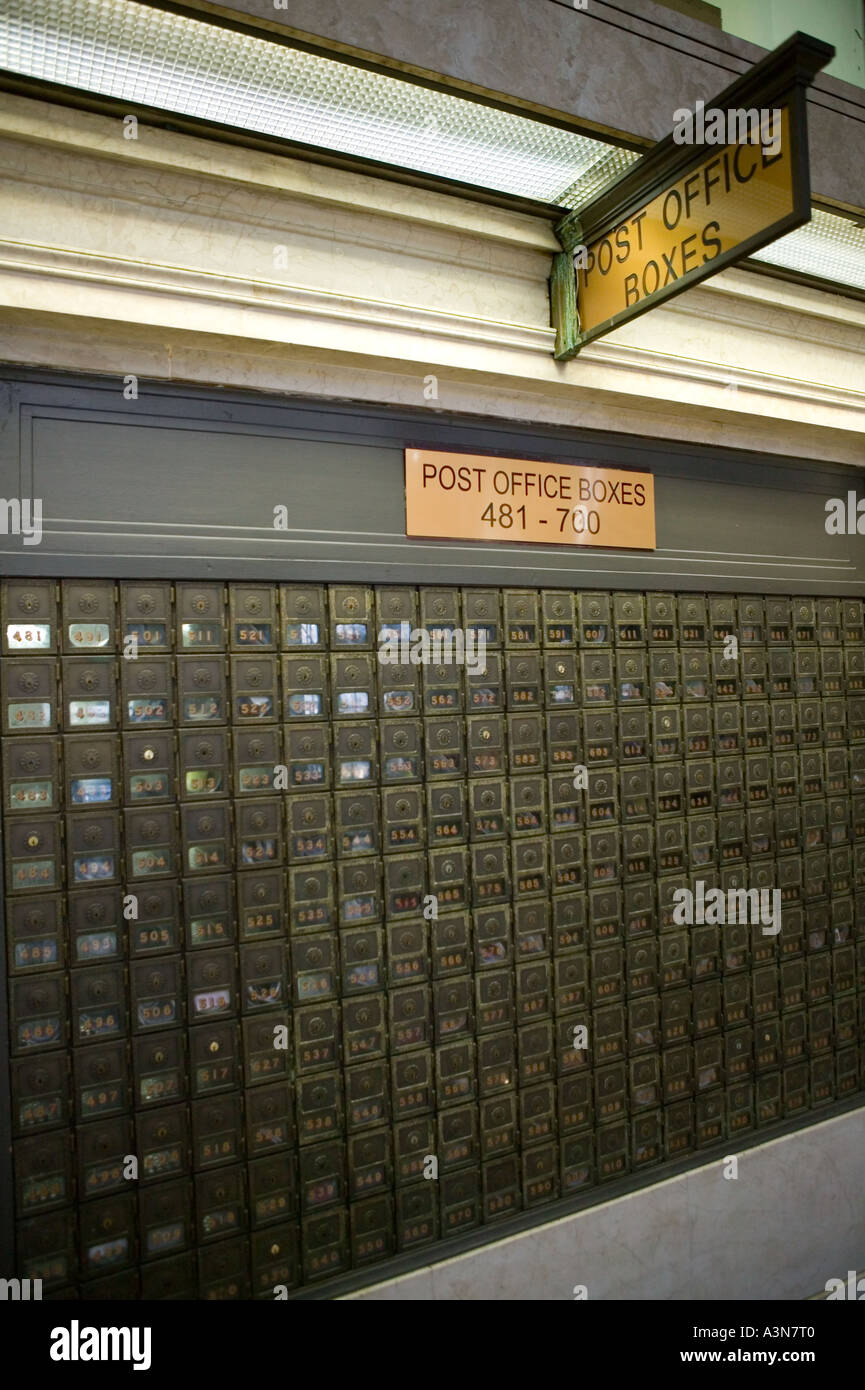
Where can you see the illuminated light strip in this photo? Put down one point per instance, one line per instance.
(133, 53)
(829, 248)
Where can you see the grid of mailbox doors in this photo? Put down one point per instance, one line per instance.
(298, 941)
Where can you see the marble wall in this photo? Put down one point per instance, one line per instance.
(181, 258)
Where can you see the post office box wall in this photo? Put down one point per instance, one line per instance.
(291, 912)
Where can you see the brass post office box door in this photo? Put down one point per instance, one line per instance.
(29, 613)
(29, 688)
(89, 699)
(199, 617)
(31, 770)
(146, 616)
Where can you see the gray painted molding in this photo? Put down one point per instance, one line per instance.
(182, 483)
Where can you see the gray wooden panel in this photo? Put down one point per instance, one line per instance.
(181, 483)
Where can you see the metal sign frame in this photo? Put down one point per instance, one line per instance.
(780, 79)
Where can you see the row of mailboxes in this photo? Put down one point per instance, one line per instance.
(188, 1114)
(84, 772)
(489, 868)
(41, 695)
(374, 937)
(470, 984)
(98, 615)
(463, 977)
(83, 775)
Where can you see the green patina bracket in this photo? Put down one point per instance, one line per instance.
(563, 289)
